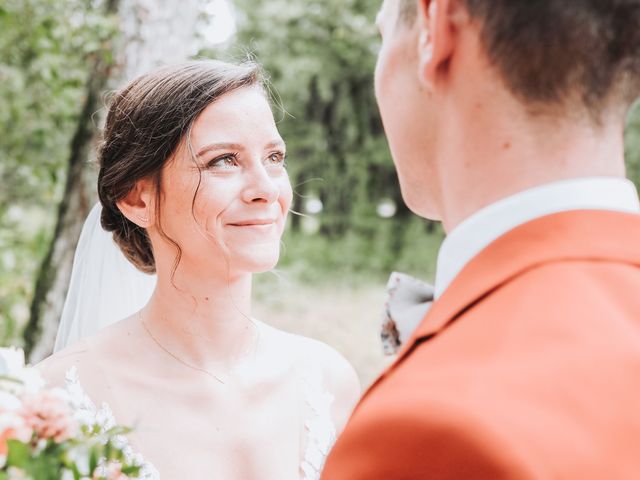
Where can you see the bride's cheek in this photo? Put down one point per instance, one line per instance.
(209, 221)
(286, 194)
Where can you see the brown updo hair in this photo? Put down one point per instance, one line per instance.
(147, 121)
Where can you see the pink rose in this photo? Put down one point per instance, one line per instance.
(49, 415)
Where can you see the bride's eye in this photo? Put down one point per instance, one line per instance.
(224, 162)
(277, 159)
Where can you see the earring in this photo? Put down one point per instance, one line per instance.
(142, 219)
(428, 53)
(426, 45)
(424, 38)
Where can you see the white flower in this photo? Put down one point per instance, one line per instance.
(21, 378)
(10, 421)
(9, 402)
(14, 473)
(104, 418)
(11, 386)
(15, 425)
(41, 444)
(109, 471)
(11, 361)
(80, 456)
(67, 475)
(84, 417)
(31, 379)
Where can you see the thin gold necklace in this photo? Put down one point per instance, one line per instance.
(194, 367)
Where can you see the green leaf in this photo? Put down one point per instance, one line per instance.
(19, 454)
(44, 467)
(94, 458)
(131, 471)
(76, 472)
(118, 430)
(5, 378)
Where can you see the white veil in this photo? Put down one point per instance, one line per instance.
(104, 288)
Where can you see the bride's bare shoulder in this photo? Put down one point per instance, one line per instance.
(55, 367)
(338, 375)
(86, 354)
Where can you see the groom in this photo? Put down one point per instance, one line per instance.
(505, 120)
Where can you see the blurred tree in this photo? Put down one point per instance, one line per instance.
(44, 48)
(55, 271)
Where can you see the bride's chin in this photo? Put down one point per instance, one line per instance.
(258, 260)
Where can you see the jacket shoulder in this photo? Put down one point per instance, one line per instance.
(428, 440)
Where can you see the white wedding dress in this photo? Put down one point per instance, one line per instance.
(100, 267)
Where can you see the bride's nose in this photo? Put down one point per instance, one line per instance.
(259, 186)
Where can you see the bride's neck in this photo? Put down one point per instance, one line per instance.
(203, 322)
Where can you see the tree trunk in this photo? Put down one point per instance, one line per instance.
(158, 32)
(152, 32)
(55, 271)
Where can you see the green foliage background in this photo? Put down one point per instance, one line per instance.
(45, 52)
(320, 56)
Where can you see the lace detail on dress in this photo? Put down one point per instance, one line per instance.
(88, 414)
(321, 432)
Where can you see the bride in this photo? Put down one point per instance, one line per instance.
(193, 187)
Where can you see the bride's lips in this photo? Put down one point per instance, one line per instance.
(259, 224)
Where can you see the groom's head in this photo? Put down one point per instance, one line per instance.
(573, 59)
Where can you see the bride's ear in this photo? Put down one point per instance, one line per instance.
(139, 205)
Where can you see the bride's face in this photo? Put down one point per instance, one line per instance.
(225, 200)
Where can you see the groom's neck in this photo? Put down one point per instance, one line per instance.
(500, 149)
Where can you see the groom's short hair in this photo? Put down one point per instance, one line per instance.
(560, 52)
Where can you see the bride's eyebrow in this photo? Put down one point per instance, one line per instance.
(236, 146)
(219, 146)
(275, 144)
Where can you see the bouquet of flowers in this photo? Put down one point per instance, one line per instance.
(42, 436)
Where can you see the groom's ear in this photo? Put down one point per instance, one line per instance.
(139, 205)
(438, 29)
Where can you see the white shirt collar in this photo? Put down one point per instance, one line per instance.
(483, 227)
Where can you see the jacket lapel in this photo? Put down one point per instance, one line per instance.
(576, 235)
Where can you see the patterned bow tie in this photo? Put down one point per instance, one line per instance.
(408, 300)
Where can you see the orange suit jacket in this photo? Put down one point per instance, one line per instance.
(527, 367)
